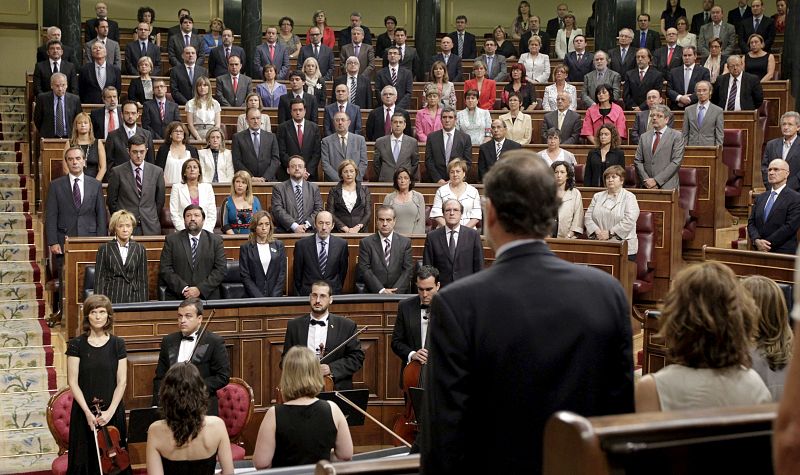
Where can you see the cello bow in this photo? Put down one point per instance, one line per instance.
(373, 419)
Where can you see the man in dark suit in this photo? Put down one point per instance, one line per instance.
(775, 219)
(318, 51)
(54, 34)
(320, 257)
(152, 119)
(679, 90)
(411, 325)
(437, 154)
(640, 80)
(297, 80)
(183, 76)
(394, 75)
(645, 37)
(570, 121)
(557, 23)
(205, 350)
(101, 10)
(580, 62)
(193, 260)
(185, 37)
(135, 50)
(384, 258)
(454, 249)
(501, 301)
(55, 110)
(738, 90)
(138, 186)
(535, 30)
(408, 57)
(109, 117)
(342, 104)
(396, 150)
(362, 50)
(379, 121)
(660, 153)
(175, 30)
(758, 23)
(233, 87)
(451, 61)
(496, 67)
(786, 147)
(296, 201)
(117, 141)
(700, 19)
(272, 52)
(642, 122)
(739, 13)
(54, 63)
(346, 34)
(218, 57)
(90, 75)
(362, 95)
(322, 330)
(256, 150)
(299, 137)
(623, 56)
(491, 151)
(670, 55)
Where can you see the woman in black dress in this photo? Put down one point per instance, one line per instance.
(349, 201)
(97, 367)
(121, 279)
(262, 260)
(93, 148)
(304, 429)
(757, 61)
(605, 155)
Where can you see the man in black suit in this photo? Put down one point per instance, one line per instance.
(185, 37)
(737, 90)
(454, 249)
(218, 57)
(437, 153)
(296, 201)
(739, 13)
(175, 30)
(140, 48)
(379, 121)
(785, 147)
(757, 24)
(557, 23)
(640, 80)
(91, 74)
(159, 112)
(341, 104)
(535, 30)
(117, 141)
(193, 260)
(271, 52)
(206, 351)
(233, 87)
(297, 80)
(320, 256)
(491, 151)
(318, 51)
(322, 330)
(775, 219)
(384, 258)
(623, 56)
(345, 35)
(55, 110)
(54, 63)
(411, 325)
(681, 93)
(529, 336)
(398, 77)
(451, 61)
(183, 76)
(109, 117)
(408, 58)
(101, 10)
(362, 96)
(569, 125)
(700, 19)
(670, 55)
(645, 37)
(580, 62)
(299, 137)
(54, 34)
(256, 150)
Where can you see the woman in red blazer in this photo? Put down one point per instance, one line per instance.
(487, 88)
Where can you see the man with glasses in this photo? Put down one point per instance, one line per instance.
(379, 121)
(359, 88)
(456, 250)
(318, 51)
(140, 48)
(660, 153)
(396, 76)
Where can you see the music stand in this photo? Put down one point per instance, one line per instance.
(139, 422)
(360, 397)
(417, 402)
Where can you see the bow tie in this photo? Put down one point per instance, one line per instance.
(424, 307)
(187, 337)
(318, 322)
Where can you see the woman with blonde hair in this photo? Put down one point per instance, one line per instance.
(537, 64)
(213, 38)
(141, 88)
(757, 61)
(202, 110)
(216, 161)
(240, 206)
(121, 264)
(429, 118)
(315, 83)
(505, 47)
(566, 35)
(262, 259)
(93, 148)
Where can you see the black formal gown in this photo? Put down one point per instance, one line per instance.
(303, 434)
(190, 467)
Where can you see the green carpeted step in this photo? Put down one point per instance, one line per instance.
(19, 272)
(8, 146)
(11, 168)
(27, 357)
(12, 181)
(26, 451)
(25, 291)
(17, 252)
(24, 236)
(14, 206)
(23, 333)
(24, 410)
(18, 221)
(27, 380)
(22, 310)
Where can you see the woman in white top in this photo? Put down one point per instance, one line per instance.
(559, 85)
(474, 121)
(565, 36)
(612, 214)
(202, 111)
(519, 126)
(459, 190)
(216, 162)
(174, 151)
(684, 37)
(715, 61)
(253, 100)
(554, 153)
(537, 65)
(192, 191)
(570, 212)
(707, 322)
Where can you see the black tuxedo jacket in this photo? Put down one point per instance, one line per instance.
(405, 83)
(676, 86)
(468, 257)
(210, 357)
(376, 120)
(453, 66)
(151, 117)
(90, 90)
(264, 163)
(257, 282)
(288, 146)
(363, 90)
(635, 90)
(99, 121)
(285, 109)
(43, 71)
(579, 69)
(407, 332)
(181, 88)
(117, 146)
(435, 159)
(176, 271)
(751, 95)
(133, 52)
(306, 264)
(44, 114)
(780, 227)
(343, 362)
(487, 155)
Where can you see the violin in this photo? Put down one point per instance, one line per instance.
(111, 456)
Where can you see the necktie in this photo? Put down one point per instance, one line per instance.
(387, 123)
(352, 90)
(235, 84)
(344, 146)
(580, 57)
(732, 96)
(669, 55)
(641, 75)
(452, 245)
(187, 337)
(705, 17)
(341, 108)
(489, 64)
(101, 77)
(139, 181)
(161, 109)
(323, 260)
(300, 135)
(298, 197)
(622, 53)
(701, 113)
(656, 140)
(394, 77)
(227, 54)
(316, 51)
(687, 77)
(643, 40)
(448, 147)
(600, 77)
(396, 149)
(185, 40)
(215, 154)
(356, 50)
(461, 44)
(112, 126)
(194, 251)
(272, 53)
(561, 119)
(144, 48)
(770, 202)
(498, 148)
(60, 129)
(76, 193)
(256, 142)
(387, 251)
(755, 24)
(55, 67)
(191, 75)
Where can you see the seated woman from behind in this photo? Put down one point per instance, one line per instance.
(304, 429)
(707, 322)
(186, 441)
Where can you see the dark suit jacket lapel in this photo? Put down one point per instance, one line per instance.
(173, 343)
(780, 203)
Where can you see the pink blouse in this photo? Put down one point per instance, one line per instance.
(594, 119)
(426, 124)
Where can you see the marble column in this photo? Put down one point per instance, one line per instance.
(425, 33)
(232, 15)
(251, 33)
(69, 13)
(790, 56)
(612, 15)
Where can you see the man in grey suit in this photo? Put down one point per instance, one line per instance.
(491, 151)
(703, 122)
(567, 121)
(233, 88)
(135, 50)
(183, 76)
(786, 147)
(117, 141)
(717, 29)
(185, 37)
(138, 186)
(495, 63)
(623, 56)
(341, 145)
(660, 153)
(49, 123)
(256, 150)
(600, 75)
(384, 258)
(395, 150)
(454, 249)
(318, 51)
(192, 261)
(361, 50)
(642, 121)
(218, 57)
(341, 104)
(683, 79)
(272, 52)
(296, 201)
(437, 153)
(112, 47)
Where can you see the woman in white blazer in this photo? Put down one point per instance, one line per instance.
(519, 126)
(537, 65)
(192, 191)
(216, 162)
(565, 36)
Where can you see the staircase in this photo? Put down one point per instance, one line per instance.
(27, 375)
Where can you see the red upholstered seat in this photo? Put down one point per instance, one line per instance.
(763, 117)
(689, 201)
(166, 221)
(645, 263)
(579, 168)
(733, 156)
(236, 404)
(58, 414)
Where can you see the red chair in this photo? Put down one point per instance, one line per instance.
(645, 261)
(689, 191)
(733, 157)
(59, 409)
(236, 403)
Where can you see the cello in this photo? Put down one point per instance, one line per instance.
(111, 456)
(405, 424)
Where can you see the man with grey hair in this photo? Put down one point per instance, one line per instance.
(359, 88)
(361, 49)
(660, 153)
(775, 217)
(683, 79)
(56, 109)
(54, 34)
(343, 144)
(785, 147)
(96, 75)
(703, 122)
(379, 121)
(567, 121)
(738, 90)
(346, 35)
(623, 56)
(600, 75)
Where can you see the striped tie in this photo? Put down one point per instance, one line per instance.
(139, 181)
(387, 251)
(298, 197)
(323, 258)
(352, 90)
(194, 251)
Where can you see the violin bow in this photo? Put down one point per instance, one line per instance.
(202, 332)
(328, 353)
(97, 444)
(366, 414)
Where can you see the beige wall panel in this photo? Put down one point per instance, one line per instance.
(338, 13)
